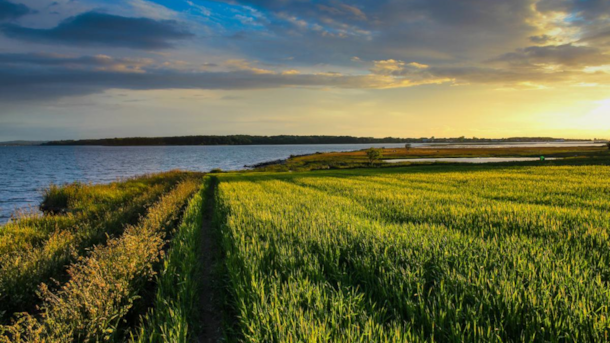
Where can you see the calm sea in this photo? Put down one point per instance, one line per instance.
(26, 171)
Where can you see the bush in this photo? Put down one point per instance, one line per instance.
(373, 155)
(55, 198)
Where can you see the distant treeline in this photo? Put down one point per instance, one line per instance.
(283, 139)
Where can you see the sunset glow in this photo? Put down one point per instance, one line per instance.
(92, 69)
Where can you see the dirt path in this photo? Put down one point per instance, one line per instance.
(211, 325)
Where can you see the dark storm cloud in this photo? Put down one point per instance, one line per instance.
(9, 10)
(100, 29)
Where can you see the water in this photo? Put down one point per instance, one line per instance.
(510, 145)
(26, 171)
(475, 160)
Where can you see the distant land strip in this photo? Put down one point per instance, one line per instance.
(285, 140)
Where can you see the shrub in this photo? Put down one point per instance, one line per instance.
(55, 198)
(373, 155)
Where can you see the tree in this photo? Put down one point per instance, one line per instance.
(373, 155)
(608, 145)
(408, 146)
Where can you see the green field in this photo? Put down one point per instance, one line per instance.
(419, 254)
(445, 253)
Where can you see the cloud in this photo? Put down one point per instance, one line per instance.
(567, 55)
(602, 38)
(333, 31)
(588, 9)
(243, 65)
(541, 39)
(508, 78)
(9, 10)
(29, 86)
(397, 68)
(388, 67)
(97, 62)
(48, 76)
(100, 29)
(398, 44)
(34, 77)
(343, 9)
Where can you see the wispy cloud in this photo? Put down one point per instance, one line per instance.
(565, 55)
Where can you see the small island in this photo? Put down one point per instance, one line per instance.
(291, 139)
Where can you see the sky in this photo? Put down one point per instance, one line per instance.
(73, 69)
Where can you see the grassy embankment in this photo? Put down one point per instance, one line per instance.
(103, 285)
(358, 159)
(36, 248)
(432, 253)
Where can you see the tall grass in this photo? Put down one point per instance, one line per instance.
(448, 254)
(36, 248)
(173, 317)
(105, 286)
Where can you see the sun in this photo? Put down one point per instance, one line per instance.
(601, 114)
(597, 119)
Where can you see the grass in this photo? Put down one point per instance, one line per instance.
(448, 253)
(437, 253)
(36, 248)
(105, 286)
